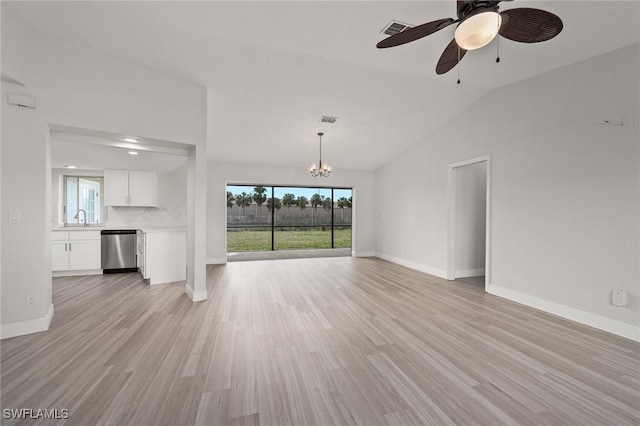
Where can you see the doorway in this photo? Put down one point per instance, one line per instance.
(469, 249)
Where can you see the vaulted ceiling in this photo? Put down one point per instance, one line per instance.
(273, 68)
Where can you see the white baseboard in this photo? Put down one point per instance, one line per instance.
(596, 321)
(418, 267)
(195, 296)
(466, 273)
(216, 261)
(363, 254)
(21, 328)
(76, 273)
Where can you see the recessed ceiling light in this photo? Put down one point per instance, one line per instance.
(133, 153)
(133, 140)
(69, 166)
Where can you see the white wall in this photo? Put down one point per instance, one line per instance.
(13, 64)
(565, 190)
(470, 219)
(80, 87)
(219, 174)
(26, 249)
(172, 188)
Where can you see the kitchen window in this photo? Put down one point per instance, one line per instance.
(83, 193)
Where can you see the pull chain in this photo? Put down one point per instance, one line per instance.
(458, 64)
(498, 48)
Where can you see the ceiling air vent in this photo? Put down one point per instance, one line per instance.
(395, 27)
(328, 119)
(24, 101)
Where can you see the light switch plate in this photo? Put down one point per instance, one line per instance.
(15, 216)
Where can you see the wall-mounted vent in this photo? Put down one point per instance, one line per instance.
(21, 100)
(328, 119)
(395, 27)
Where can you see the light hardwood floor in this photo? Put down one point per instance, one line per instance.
(315, 341)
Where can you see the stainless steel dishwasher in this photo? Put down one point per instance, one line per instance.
(118, 250)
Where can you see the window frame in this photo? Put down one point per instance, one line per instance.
(99, 210)
(273, 225)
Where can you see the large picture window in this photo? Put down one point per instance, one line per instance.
(287, 218)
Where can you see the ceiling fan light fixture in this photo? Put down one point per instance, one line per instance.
(478, 30)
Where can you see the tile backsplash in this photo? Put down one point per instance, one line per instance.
(145, 216)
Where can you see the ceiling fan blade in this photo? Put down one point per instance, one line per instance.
(449, 58)
(415, 33)
(528, 25)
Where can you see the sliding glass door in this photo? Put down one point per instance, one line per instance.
(287, 218)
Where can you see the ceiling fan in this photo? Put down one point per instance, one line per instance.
(478, 24)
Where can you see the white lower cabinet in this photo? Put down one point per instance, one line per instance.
(75, 250)
(162, 256)
(59, 255)
(84, 254)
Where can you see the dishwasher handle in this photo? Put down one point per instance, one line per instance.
(117, 231)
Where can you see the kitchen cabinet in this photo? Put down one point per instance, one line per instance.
(60, 255)
(162, 255)
(75, 250)
(130, 188)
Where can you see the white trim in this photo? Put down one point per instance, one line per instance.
(470, 273)
(195, 296)
(606, 324)
(418, 267)
(216, 261)
(363, 254)
(21, 328)
(450, 273)
(76, 273)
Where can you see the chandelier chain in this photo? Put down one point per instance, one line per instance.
(323, 170)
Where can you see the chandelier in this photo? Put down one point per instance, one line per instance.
(323, 170)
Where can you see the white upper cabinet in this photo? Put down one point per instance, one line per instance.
(143, 188)
(130, 188)
(116, 188)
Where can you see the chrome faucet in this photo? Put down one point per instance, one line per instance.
(85, 216)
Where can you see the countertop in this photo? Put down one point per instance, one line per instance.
(147, 229)
(153, 229)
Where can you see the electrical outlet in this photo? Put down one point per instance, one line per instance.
(31, 300)
(15, 216)
(619, 298)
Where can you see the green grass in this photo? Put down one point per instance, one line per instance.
(245, 240)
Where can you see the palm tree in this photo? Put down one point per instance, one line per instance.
(302, 202)
(259, 197)
(316, 200)
(243, 200)
(288, 200)
(274, 202)
(342, 203)
(230, 199)
(327, 203)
